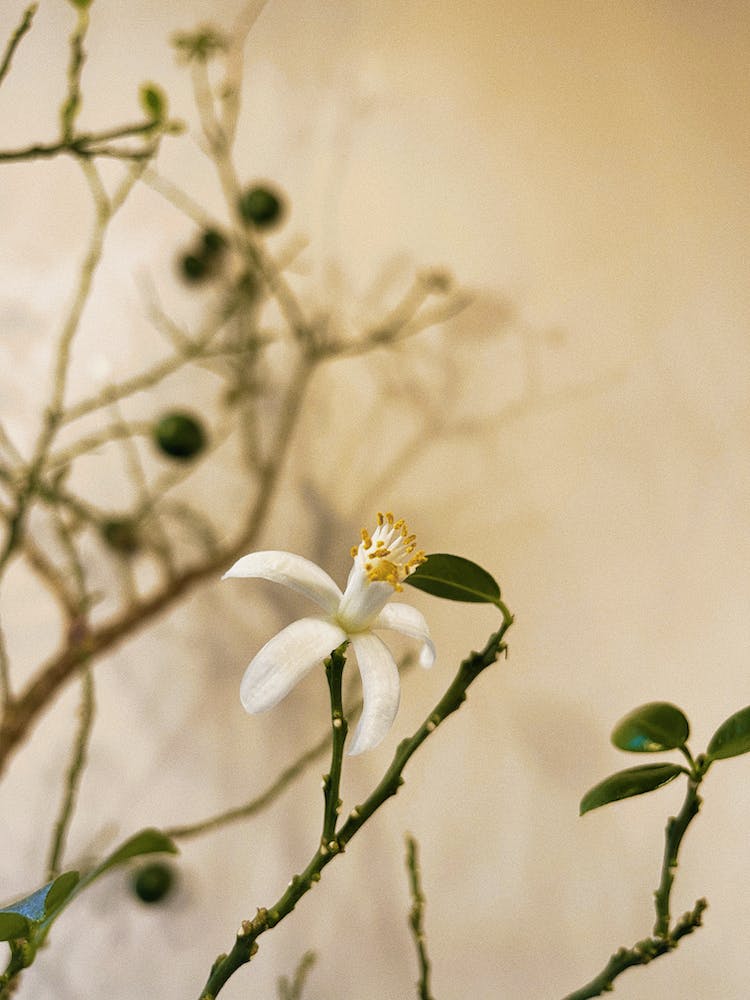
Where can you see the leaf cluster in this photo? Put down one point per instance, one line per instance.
(657, 727)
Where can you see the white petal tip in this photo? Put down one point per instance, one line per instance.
(427, 657)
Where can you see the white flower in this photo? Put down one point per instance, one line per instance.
(381, 562)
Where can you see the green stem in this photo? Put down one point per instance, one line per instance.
(415, 917)
(15, 39)
(663, 940)
(245, 944)
(72, 104)
(75, 771)
(675, 831)
(332, 781)
(641, 953)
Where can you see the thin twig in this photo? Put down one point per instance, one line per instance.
(75, 772)
(231, 88)
(293, 990)
(6, 694)
(25, 709)
(274, 790)
(54, 579)
(256, 804)
(416, 916)
(15, 39)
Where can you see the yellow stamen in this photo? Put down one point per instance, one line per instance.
(391, 551)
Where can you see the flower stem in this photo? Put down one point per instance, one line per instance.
(332, 781)
(245, 944)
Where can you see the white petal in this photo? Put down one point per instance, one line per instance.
(285, 659)
(407, 620)
(381, 690)
(293, 571)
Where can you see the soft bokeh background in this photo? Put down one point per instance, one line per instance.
(583, 168)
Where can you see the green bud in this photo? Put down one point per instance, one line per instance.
(180, 436)
(261, 207)
(153, 101)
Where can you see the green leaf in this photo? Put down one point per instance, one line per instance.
(153, 101)
(456, 579)
(32, 906)
(148, 841)
(732, 738)
(19, 918)
(652, 728)
(625, 784)
(13, 925)
(60, 891)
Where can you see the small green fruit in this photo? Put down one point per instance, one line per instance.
(261, 206)
(193, 268)
(152, 882)
(180, 436)
(213, 242)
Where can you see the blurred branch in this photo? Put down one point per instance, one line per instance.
(258, 803)
(23, 711)
(6, 695)
(74, 774)
(15, 39)
(287, 776)
(104, 211)
(87, 146)
(293, 990)
(416, 915)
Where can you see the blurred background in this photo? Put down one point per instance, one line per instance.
(580, 430)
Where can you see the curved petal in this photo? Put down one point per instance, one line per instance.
(407, 620)
(381, 690)
(285, 659)
(292, 571)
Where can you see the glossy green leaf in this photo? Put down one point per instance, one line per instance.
(625, 784)
(732, 738)
(13, 925)
(652, 728)
(60, 891)
(456, 579)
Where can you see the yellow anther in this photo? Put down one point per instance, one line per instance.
(391, 553)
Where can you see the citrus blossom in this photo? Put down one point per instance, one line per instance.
(382, 561)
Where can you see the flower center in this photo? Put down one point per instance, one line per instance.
(390, 554)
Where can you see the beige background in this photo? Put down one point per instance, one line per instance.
(583, 164)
